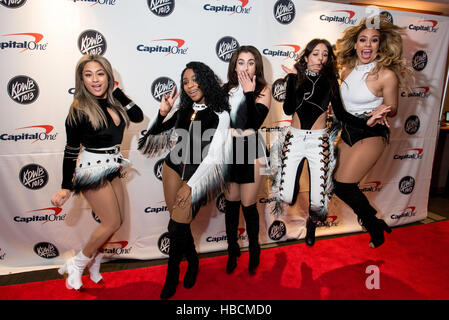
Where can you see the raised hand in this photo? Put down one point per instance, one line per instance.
(289, 70)
(248, 84)
(167, 102)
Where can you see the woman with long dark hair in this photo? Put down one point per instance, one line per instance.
(311, 86)
(250, 99)
(92, 159)
(373, 67)
(196, 169)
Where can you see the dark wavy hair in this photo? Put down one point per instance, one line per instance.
(329, 70)
(233, 80)
(215, 98)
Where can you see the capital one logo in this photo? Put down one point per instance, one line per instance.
(161, 8)
(23, 89)
(26, 44)
(371, 186)
(418, 92)
(347, 17)
(407, 212)
(284, 11)
(42, 215)
(12, 4)
(425, 25)
(169, 49)
(33, 176)
(161, 86)
(278, 90)
(292, 53)
(225, 47)
(37, 135)
(413, 153)
(116, 248)
(92, 42)
(239, 9)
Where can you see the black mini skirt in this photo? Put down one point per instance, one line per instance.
(351, 135)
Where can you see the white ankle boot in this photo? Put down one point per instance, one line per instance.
(74, 267)
(94, 269)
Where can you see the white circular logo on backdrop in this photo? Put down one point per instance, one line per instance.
(278, 90)
(419, 60)
(412, 124)
(33, 176)
(225, 48)
(46, 250)
(161, 8)
(13, 4)
(406, 185)
(161, 86)
(92, 42)
(284, 11)
(23, 89)
(164, 243)
(277, 230)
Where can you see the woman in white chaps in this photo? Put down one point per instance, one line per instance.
(311, 86)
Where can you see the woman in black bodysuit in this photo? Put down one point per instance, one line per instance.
(311, 86)
(94, 126)
(196, 169)
(250, 99)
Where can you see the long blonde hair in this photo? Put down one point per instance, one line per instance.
(85, 104)
(390, 48)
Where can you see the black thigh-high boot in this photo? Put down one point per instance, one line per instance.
(252, 229)
(177, 236)
(192, 259)
(232, 214)
(354, 197)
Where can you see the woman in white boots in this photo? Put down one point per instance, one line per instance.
(92, 160)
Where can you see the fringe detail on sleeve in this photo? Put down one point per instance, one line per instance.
(153, 145)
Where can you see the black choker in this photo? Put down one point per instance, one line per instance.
(311, 73)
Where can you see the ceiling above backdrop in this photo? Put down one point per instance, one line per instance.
(437, 7)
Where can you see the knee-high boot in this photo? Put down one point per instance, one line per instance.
(192, 259)
(311, 224)
(354, 197)
(232, 214)
(252, 229)
(177, 242)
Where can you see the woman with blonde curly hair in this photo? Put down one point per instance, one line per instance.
(373, 68)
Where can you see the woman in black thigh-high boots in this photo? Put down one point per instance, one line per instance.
(250, 99)
(189, 180)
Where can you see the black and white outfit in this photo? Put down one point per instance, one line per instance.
(92, 157)
(199, 161)
(358, 101)
(245, 114)
(310, 100)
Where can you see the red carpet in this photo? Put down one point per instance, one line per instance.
(413, 264)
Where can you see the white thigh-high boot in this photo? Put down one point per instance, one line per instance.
(74, 267)
(94, 269)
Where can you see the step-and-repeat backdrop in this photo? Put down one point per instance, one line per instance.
(148, 43)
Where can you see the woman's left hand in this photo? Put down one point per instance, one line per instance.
(379, 116)
(182, 196)
(248, 84)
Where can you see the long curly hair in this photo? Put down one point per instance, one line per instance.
(215, 98)
(85, 104)
(329, 70)
(390, 48)
(233, 80)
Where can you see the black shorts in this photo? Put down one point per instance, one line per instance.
(246, 150)
(351, 135)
